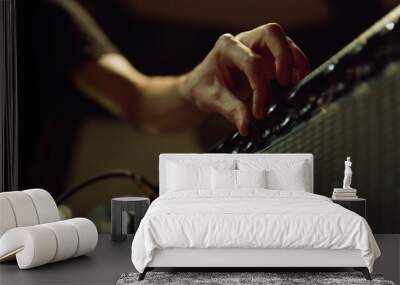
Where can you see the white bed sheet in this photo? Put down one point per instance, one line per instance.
(251, 218)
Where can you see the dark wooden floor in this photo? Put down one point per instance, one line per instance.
(103, 266)
(110, 260)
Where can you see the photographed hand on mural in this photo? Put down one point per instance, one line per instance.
(233, 79)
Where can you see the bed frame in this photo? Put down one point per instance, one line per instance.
(243, 259)
(246, 258)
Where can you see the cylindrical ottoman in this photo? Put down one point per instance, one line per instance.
(119, 215)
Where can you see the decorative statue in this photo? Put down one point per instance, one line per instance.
(347, 174)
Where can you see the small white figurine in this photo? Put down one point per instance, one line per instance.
(347, 174)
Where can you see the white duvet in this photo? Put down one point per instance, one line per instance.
(253, 218)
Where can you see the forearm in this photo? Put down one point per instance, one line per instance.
(150, 103)
(165, 104)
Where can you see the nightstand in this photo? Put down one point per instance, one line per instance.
(357, 205)
(120, 209)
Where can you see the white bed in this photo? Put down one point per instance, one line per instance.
(249, 227)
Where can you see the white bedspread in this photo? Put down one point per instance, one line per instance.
(250, 218)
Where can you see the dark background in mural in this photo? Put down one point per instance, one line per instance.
(69, 138)
(364, 123)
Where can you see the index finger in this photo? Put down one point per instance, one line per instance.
(275, 40)
(301, 66)
(236, 54)
(270, 40)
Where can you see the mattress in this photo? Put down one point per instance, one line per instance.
(250, 219)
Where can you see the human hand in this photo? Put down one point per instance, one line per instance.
(237, 71)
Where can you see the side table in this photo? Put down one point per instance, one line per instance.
(357, 205)
(120, 207)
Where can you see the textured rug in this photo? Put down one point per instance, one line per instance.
(244, 278)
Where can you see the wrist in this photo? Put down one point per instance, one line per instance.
(184, 87)
(188, 90)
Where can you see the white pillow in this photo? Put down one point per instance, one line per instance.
(251, 178)
(237, 179)
(281, 174)
(193, 174)
(181, 178)
(290, 179)
(223, 179)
